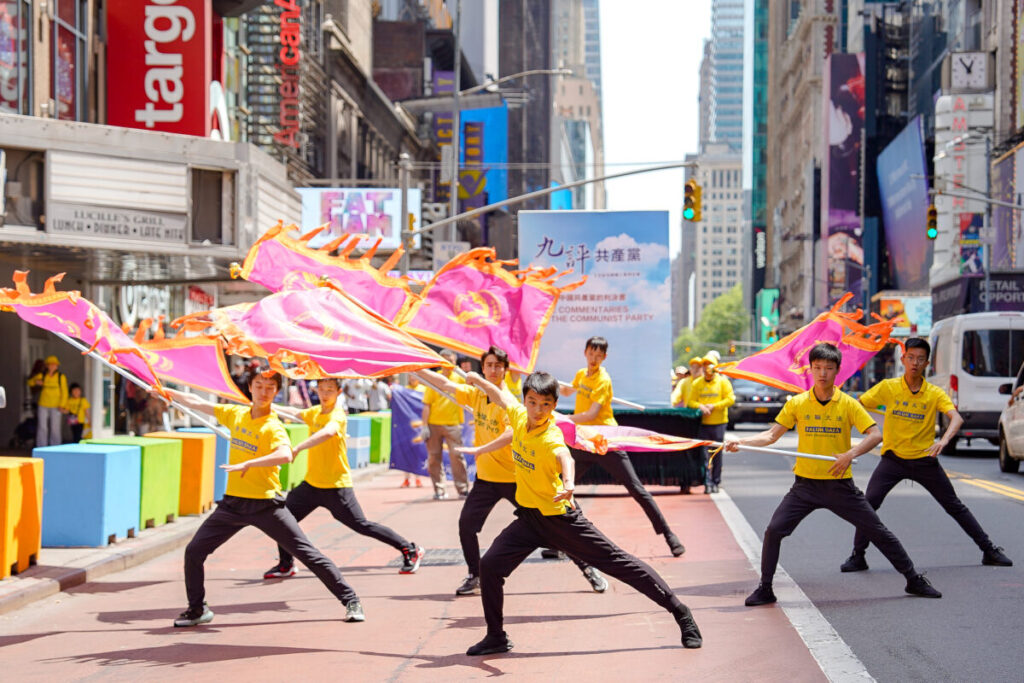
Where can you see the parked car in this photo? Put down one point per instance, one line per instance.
(972, 355)
(1011, 424)
(755, 402)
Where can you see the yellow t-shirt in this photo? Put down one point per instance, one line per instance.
(681, 391)
(54, 393)
(79, 409)
(252, 439)
(328, 462)
(717, 393)
(909, 429)
(515, 386)
(538, 474)
(596, 388)
(490, 422)
(823, 429)
(443, 411)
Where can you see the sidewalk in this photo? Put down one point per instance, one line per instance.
(59, 569)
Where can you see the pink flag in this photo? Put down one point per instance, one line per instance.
(279, 262)
(474, 302)
(603, 438)
(71, 314)
(314, 333)
(196, 361)
(784, 364)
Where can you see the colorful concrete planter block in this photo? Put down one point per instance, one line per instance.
(160, 483)
(359, 432)
(380, 437)
(294, 472)
(220, 477)
(197, 455)
(21, 512)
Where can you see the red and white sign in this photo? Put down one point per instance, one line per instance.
(159, 65)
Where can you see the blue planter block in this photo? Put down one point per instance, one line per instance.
(91, 494)
(359, 434)
(220, 477)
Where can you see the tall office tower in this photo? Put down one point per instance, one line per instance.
(727, 72)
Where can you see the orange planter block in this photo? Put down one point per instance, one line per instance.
(198, 455)
(21, 513)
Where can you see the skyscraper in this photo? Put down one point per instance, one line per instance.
(727, 72)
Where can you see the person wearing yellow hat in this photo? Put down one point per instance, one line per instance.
(53, 398)
(712, 394)
(682, 390)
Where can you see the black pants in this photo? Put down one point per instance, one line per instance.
(272, 518)
(481, 500)
(927, 472)
(841, 497)
(344, 507)
(619, 466)
(712, 470)
(576, 536)
(76, 432)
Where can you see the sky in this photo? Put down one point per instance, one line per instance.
(650, 80)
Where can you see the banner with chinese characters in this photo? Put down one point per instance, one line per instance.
(626, 298)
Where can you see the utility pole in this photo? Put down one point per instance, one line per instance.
(456, 126)
(404, 164)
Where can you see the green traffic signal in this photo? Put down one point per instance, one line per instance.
(689, 213)
(932, 233)
(932, 222)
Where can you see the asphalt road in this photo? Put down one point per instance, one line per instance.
(972, 634)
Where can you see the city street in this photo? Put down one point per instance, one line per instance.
(118, 628)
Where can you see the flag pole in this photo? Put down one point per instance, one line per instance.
(202, 419)
(615, 399)
(779, 451)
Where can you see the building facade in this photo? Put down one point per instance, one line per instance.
(719, 236)
(727, 30)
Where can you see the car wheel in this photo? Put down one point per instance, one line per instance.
(1006, 462)
(950, 448)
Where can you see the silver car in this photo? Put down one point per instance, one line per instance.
(1011, 424)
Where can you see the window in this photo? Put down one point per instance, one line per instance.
(992, 353)
(70, 64)
(213, 207)
(16, 56)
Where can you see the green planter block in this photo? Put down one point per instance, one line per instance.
(294, 472)
(380, 437)
(161, 476)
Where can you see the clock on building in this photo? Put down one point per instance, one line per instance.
(968, 71)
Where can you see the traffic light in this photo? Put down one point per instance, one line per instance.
(691, 201)
(932, 226)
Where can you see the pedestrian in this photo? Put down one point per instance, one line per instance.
(712, 394)
(154, 416)
(259, 445)
(357, 395)
(328, 482)
(77, 407)
(380, 394)
(546, 515)
(823, 416)
(53, 398)
(681, 392)
(593, 388)
(495, 469)
(442, 425)
(909, 450)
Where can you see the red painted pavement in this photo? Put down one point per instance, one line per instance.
(119, 628)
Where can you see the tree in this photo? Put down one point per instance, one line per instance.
(725, 319)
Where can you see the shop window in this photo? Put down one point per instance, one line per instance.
(70, 65)
(16, 56)
(213, 207)
(23, 189)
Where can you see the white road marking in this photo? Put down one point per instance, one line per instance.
(833, 655)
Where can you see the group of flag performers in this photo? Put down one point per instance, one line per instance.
(331, 316)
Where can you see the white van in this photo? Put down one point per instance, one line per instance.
(972, 354)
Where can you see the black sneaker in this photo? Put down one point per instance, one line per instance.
(411, 557)
(491, 645)
(995, 557)
(470, 585)
(707, 488)
(919, 585)
(552, 554)
(691, 637)
(597, 582)
(854, 563)
(354, 611)
(714, 488)
(194, 616)
(762, 595)
(674, 544)
(280, 571)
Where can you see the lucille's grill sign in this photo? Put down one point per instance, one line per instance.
(159, 65)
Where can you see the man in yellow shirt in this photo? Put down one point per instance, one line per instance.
(546, 515)
(593, 387)
(823, 417)
(442, 424)
(495, 469)
(259, 445)
(52, 400)
(910, 451)
(712, 394)
(328, 482)
(681, 392)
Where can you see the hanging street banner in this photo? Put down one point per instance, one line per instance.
(626, 298)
